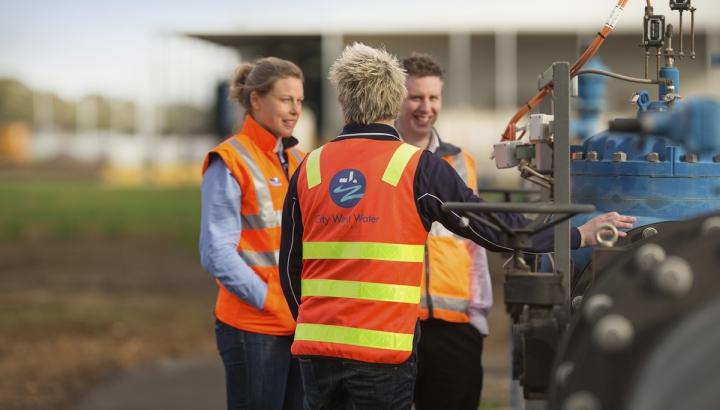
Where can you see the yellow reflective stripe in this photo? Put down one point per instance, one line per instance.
(397, 163)
(364, 250)
(361, 290)
(353, 336)
(312, 168)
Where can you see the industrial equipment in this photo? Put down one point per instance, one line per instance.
(636, 310)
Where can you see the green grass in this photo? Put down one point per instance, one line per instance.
(66, 210)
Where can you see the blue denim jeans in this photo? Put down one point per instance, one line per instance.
(260, 372)
(332, 383)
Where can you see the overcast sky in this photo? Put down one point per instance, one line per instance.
(76, 47)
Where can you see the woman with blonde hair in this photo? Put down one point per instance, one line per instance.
(244, 183)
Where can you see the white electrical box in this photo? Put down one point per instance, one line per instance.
(540, 127)
(504, 153)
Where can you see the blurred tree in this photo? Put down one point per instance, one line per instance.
(96, 108)
(186, 119)
(123, 117)
(64, 113)
(94, 112)
(15, 101)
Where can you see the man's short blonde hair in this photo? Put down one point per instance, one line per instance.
(370, 84)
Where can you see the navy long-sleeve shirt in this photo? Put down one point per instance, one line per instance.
(436, 182)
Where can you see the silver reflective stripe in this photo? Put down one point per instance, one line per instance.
(268, 217)
(460, 166)
(260, 258)
(446, 303)
(296, 154)
(256, 222)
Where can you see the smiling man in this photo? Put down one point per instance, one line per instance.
(456, 289)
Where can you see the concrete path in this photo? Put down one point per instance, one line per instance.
(193, 384)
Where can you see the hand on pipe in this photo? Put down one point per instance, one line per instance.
(587, 230)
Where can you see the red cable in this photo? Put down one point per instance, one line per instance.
(510, 129)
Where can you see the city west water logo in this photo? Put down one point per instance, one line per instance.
(347, 188)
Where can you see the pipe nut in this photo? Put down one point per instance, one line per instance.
(649, 256)
(582, 400)
(674, 277)
(711, 226)
(613, 333)
(596, 306)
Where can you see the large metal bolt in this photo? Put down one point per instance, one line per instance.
(648, 232)
(649, 256)
(613, 333)
(691, 158)
(711, 226)
(652, 157)
(591, 156)
(576, 302)
(674, 277)
(563, 371)
(596, 306)
(582, 400)
(619, 156)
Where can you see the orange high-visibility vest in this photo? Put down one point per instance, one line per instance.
(447, 276)
(363, 249)
(251, 158)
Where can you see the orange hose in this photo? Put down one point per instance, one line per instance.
(510, 129)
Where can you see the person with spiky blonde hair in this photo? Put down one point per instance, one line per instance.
(355, 222)
(370, 84)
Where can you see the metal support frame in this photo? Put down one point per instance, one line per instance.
(558, 104)
(561, 168)
(557, 158)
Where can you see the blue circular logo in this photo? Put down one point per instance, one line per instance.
(347, 188)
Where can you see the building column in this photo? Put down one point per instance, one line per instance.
(459, 69)
(332, 119)
(712, 41)
(505, 71)
(43, 111)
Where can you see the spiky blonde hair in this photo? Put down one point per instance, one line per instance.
(370, 84)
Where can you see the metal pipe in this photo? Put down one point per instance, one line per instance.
(669, 53)
(647, 62)
(622, 77)
(681, 53)
(692, 32)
